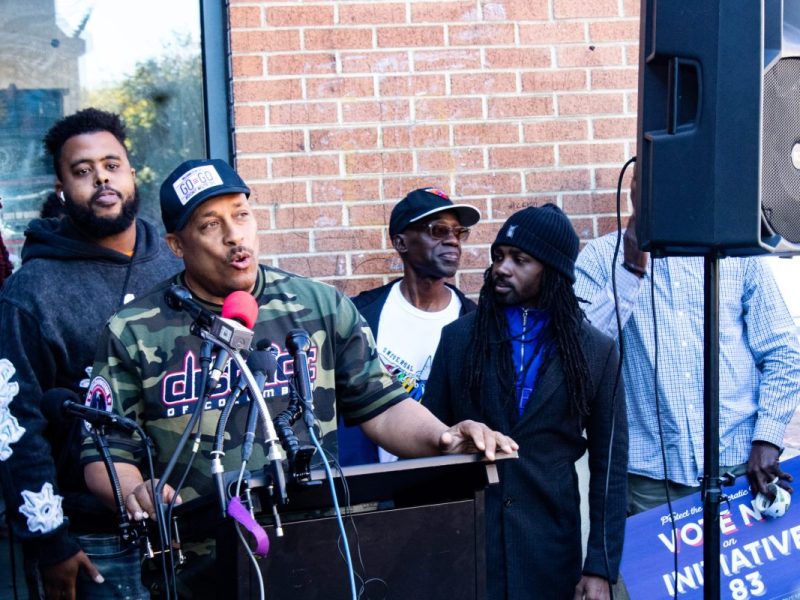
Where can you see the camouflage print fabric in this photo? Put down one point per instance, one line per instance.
(147, 368)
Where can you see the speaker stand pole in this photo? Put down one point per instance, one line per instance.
(712, 485)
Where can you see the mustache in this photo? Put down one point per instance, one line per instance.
(103, 189)
(238, 250)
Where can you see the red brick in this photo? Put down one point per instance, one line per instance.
(281, 192)
(350, 189)
(395, 188)
(307, 216)
(475, 258)
(251, 168)
(576, 9)
(447, 60)
(314, 266)
(416, 136)
(371, 13)
(556, 130)
(606, 225)
(517, 58)
(590, 104)
(244, 17)
(446, 109)
(378, 162)
(351, 238)
(632, 55)
(299, 166)
(344, 138)
(381, 111)
(486, 34)
(631, 8)
(502, 208)
(254, 90)
(374, 62)
(554, 80)
(583, 227)
(483, 83)
(589, 203)
(352, 286)
(261, 142)
(299, 16)
(606, 179)
(483, 232)
(520, 106)
(303, 113)
(515, 10)
(263, 218)
(589, 56)
(402, 37)
(610, 79)
(371, 214)
(486, 133)
(339, 87)
(470, 283)
(558, 181)
(284, 242)
(540, 34)
(339, 37)
(265, 41)
(412, 85)
(521, 156)
(487, 183)
(369, 263)
(303, 63)
(590, 154)
(443, 12)
(630, 102)
(622, 127)
(614, 31)
(450, 160)
(248, 66)
(249, 116)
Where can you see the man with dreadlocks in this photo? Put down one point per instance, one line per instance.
(529, 364)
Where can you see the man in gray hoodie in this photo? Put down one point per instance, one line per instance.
(76, 272)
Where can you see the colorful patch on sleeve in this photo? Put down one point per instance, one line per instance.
(43, 509)
(99, 397)
(10, 429)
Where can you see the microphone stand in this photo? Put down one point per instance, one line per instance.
(127, 533)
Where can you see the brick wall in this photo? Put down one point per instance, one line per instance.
(341, 107)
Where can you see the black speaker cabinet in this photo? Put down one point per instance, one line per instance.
(719, 127)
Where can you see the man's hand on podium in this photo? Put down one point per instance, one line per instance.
(470, 436)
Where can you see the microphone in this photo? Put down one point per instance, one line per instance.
(238, 307)
(297, 343)
(264, 365)
(58, 403)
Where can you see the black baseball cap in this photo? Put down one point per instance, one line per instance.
(425, 202)
(192, 183)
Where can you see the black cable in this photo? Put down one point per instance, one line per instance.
(618, 375)
(660, 428)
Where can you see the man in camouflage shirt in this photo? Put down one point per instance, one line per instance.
(147, 366)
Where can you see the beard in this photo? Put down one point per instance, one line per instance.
(96, 227)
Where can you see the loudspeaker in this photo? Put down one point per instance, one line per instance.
(719, 127)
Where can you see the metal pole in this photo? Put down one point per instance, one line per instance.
(711, 480)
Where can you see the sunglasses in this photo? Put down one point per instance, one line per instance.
(440, 231)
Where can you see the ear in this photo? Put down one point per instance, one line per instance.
(175, 244)
(133, 173)
(399, 243)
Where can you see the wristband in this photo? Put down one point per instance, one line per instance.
(635, 269)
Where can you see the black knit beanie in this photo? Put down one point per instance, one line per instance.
(546, 234)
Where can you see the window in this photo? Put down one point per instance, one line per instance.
(140, 58)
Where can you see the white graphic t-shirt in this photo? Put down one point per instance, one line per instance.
(407, 341)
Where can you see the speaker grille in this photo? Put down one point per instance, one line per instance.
(780, 184)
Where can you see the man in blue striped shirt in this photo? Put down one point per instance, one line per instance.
(759, 364)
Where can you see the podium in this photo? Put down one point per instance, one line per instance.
(416, 530)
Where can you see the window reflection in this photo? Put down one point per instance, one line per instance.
(141, 58)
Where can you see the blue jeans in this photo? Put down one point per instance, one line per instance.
(120, 567)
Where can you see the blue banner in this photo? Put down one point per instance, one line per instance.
(759, 556)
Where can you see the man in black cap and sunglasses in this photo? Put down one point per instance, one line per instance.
(407, 315)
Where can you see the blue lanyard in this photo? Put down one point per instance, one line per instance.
(528, 349)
